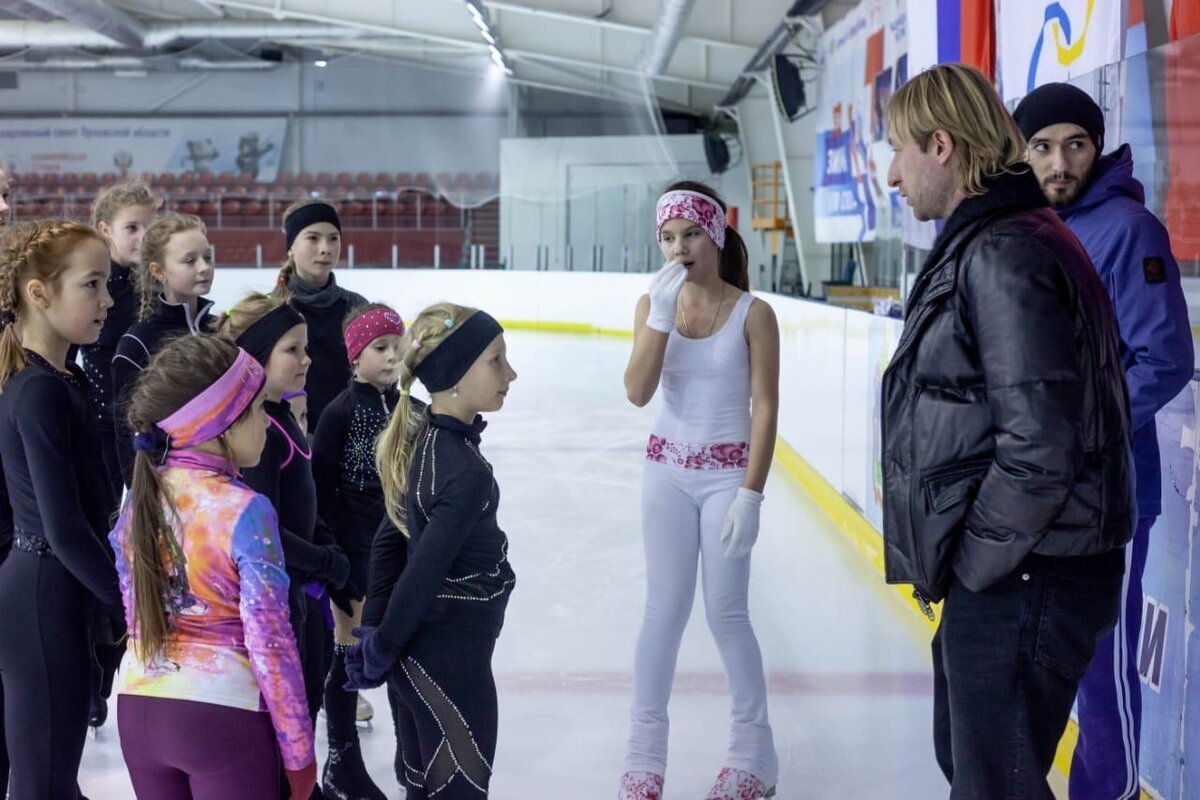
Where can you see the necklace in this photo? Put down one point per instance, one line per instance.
(712, 325)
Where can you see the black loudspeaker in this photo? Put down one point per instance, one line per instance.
(789, 87)
(716, 152)
(271, 54)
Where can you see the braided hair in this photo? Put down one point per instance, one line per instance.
(32, 250)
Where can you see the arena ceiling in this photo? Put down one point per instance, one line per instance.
(688, 53)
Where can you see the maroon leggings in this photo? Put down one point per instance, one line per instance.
(184, 750)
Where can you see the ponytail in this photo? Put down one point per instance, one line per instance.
(281, 290)
(150, 534)
(734, 264)
(394, 450)
(12, 353)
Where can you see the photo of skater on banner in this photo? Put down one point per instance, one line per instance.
(863, 61)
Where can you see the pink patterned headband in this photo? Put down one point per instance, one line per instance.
(369, 327)
(696, 207)
(211, 413)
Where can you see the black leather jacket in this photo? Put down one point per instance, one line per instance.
(1005, 414)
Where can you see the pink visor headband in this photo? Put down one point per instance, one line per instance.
(695, 207)
(369, 327)
(212, 412)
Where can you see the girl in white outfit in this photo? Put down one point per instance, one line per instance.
(715, 350)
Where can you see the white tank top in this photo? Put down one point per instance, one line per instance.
(706, 384)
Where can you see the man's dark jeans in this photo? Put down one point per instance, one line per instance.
(1007, 662)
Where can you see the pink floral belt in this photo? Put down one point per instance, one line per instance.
(733, 455)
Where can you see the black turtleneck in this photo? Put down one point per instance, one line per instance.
(324, 310)
(349, 496)
(134, 349)
(53, 484)
(458, 556)
(284, 476)
(1016, 190)
(97, 358)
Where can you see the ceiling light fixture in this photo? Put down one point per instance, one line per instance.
(483, 20)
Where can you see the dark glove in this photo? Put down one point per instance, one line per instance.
(369, 662)
(342, 597)
(336, 568)
(108, 624)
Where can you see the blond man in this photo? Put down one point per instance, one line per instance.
(1008, 475)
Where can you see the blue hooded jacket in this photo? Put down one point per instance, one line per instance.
(1132, 253)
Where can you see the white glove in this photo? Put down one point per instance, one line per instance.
(740, 530)
(664, 296)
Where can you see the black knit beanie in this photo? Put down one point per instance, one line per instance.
(1056, 103)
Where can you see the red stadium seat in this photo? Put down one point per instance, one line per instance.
(205, 179)
(324, 178)
(188, 207)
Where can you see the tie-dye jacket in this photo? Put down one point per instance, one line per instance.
(230, 644)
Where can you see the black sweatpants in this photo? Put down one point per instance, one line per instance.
(448, 736)
(46, 672)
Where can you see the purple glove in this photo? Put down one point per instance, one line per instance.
(369, 662)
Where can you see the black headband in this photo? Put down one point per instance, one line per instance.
(307, 215)
(259, 339)
(445, 366)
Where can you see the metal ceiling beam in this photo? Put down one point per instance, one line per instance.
(553, 59)
(608, 24)
(667, 30)
(104, 18)
(21, 33)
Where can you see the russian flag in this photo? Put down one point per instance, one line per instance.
(945, 31)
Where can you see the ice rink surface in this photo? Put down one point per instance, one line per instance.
(851, 685)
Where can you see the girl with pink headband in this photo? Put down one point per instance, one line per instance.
(350, 500)
(210, 692)
(714, 349)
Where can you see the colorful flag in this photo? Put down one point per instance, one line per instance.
(945, 31)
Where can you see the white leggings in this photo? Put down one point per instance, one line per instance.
(682, 514)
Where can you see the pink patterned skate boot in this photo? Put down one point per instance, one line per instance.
(640, 786)
(737, 784)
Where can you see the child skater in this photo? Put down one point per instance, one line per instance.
(175, 274)
(715, 350)
(439, 630)
(211, 696)
(313, 237)
(122, 213)
(56, 502)
(273, 332)
(350, 499)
